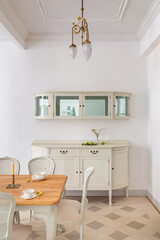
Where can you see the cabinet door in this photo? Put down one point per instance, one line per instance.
(97, 106)
(99, 179)
(68, 166)
(119, 167)
(121, 106)
(67, 106)
(44, 106)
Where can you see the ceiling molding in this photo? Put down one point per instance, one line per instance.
(117, 17)
(94, 37)
(149, 18)
(11, 23)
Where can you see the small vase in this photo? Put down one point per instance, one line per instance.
(97, 140)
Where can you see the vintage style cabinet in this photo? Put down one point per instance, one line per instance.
(72, 159)
(82, 105)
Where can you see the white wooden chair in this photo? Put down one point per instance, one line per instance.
(41, 164)
(71, 211)
(8, 230)
(6, 165)
(6, 168)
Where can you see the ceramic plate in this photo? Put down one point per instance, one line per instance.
(35, 177)
(33, 196)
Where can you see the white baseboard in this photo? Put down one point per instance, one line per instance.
(154, 201)
(120, 192)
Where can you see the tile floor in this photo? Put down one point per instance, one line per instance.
(132, 218)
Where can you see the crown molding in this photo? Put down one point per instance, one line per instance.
(94, 37)
(149, 18)
(117, 17)
(12, 25)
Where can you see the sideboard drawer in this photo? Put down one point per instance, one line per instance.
(95, 152)
(63, 152)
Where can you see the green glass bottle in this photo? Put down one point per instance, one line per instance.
(73, 113)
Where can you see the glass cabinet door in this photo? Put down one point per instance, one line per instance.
(43, 106)
(121, 106)
(68, 106)
(96, 106)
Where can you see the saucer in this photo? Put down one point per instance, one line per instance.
(38, 178)
(29, 197)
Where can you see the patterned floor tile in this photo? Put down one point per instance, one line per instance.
(95, 225)
(128, 209)
(118, 235)
(135, 225)
(93, 209)
(113, 216)
(102, 221)
(72, 235)
(34, 235)
(157, 235)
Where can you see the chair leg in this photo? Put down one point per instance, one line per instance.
(30, 215)
(81, 230)
(16, 217)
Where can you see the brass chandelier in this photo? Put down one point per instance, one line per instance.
(81, 27)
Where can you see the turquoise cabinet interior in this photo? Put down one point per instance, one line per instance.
(96, 106)
(41, 103)
(122, 106)
(67, 106)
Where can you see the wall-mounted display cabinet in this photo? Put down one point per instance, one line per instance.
(82, 105)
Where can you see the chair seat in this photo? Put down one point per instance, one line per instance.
(21, 232)
(68, 211)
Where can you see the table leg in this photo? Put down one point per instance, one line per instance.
(50, 218)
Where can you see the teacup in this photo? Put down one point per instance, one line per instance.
(28, 192)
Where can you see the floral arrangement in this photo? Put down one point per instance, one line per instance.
(97, 133)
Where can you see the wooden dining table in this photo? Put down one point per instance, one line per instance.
(44, 207)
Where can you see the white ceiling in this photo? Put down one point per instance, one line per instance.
(51, 18)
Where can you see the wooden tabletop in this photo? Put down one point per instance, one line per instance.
(52, 188)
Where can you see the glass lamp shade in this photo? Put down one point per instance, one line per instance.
(73, 50)
(87, 49)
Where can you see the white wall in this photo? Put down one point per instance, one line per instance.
(47, 66)
(153, 73)
(150, 47)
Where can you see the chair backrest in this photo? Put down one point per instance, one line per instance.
(41, 164)
(7, 208)
(88, 173)
(6, 165)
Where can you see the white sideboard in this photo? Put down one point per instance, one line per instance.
(72, 159)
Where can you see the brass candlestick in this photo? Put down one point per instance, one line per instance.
(13, 185)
